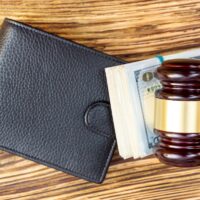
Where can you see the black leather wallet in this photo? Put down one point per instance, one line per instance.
(54, 101)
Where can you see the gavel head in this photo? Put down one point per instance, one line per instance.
(177, 113)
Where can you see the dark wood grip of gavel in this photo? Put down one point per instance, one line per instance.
(180, 79)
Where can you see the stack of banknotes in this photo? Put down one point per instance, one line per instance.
(131, 89)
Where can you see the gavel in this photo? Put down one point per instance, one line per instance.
(177, 113)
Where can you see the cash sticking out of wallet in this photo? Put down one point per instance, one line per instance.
(131, 90)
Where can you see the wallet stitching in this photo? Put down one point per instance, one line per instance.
(48, 35)
(65, 169)
(107, 160)
(63, 40)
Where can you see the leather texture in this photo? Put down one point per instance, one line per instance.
(54, 101)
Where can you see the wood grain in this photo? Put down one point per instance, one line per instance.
(132, 30)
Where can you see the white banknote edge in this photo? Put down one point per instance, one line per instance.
(113, 80)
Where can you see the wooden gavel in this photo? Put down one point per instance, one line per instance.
(177, 113)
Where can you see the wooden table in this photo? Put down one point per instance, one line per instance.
(132, 30)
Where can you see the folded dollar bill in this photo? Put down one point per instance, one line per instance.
(131, 90)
